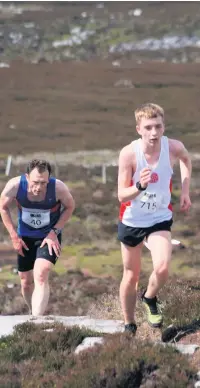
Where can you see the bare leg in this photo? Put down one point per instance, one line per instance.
(27, 287)
(128, 288)
(40, 295)
(161, 249)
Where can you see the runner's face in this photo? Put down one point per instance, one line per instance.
(37, 182)
(151, 130)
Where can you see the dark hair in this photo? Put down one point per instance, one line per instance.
(41, 165)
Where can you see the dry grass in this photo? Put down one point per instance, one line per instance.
(179, 302)
(107, 306)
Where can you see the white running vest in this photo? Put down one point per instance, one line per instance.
(152, 205)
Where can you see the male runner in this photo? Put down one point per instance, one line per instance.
(44, 206)
(144, 190)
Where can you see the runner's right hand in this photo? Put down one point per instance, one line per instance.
(19, 244)
(145, 176)
(53, 244)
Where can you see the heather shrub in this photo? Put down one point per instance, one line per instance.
(181, 303)
(42, 356)
(124, 363)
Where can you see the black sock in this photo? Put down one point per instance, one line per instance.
(150, 300)
(152, 304)
(130, 326)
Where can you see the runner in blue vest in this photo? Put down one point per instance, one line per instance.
(44, 206)
(144, 190)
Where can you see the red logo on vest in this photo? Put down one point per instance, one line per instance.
(154, 177)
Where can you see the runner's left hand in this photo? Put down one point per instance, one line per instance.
(53, 244)
(185, 202)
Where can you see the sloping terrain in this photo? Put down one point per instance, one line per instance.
(80, 94)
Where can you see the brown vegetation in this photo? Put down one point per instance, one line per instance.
(63, 107)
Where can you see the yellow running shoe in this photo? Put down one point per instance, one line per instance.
(154, 316)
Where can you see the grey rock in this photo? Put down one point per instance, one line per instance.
(187, 349)
(152, 44)
(7, 323)
(182, 348)
(88, 343)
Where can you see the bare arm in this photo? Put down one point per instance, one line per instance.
(63, 194)
(186, 169)
(67, 201)
(126, 191)
(180, 152)
(8, 195)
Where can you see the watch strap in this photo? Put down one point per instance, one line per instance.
(57, 231)
(139, 186)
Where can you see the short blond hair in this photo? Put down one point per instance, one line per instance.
(148, 111)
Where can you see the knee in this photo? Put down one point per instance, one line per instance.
(26, 284)
(130, 277)
(162, 271)
(41, 277)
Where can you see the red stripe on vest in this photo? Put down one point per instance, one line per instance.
(124, 205)
(54, 209)
(170, 188)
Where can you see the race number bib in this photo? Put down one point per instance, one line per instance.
(36, 218)
(149, 202)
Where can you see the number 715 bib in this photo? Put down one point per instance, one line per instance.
(148, 202)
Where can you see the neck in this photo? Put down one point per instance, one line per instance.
(39, 197)
(151, 149)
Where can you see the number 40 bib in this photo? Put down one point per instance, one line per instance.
(36, 218)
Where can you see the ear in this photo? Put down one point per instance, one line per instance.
(27, 176)
(138, 129)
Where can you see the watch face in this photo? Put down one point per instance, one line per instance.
(57, 231)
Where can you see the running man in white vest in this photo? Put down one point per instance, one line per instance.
(144, 191)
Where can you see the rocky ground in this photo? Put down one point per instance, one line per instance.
(84, 30)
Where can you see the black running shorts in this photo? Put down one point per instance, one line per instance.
(26, 262)
(132, 236)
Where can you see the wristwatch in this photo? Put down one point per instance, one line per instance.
(57, 231)
(139, 187)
